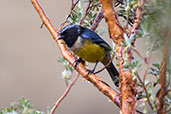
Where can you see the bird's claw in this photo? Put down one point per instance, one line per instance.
(80, 60)
(90, 71)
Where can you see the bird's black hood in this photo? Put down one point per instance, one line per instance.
(70, 34)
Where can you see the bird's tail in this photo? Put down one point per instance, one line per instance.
(113, 72)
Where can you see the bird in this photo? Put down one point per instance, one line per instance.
(90, 47)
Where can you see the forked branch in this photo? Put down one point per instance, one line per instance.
(105, 89)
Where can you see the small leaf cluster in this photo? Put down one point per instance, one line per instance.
(68, 69)
(152, 97)
(156, 21)
(127, 10)
(155, 71)
(22, 106)
(91, 15)
(78, 13)
(75, 15)
(150, 87)
(127, 44)
(131, 5)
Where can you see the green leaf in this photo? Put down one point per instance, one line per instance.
(22, 106)
(157, 65)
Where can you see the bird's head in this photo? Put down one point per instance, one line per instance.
(70, 34)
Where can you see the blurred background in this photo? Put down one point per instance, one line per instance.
(28, 62)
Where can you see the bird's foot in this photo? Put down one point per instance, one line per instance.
(80, 60)
(90, 71)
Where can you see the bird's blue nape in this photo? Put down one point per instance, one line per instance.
(68, 27)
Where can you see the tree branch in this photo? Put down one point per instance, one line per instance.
(86, 12)
(72, 8)
(128, 91)
(106, 90)
(65, 94)
(115, 30)
(161, 109)
(146, 92)
(147, 61)
(97, 20)
(138, 17)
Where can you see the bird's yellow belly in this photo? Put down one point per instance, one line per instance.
(91, 52)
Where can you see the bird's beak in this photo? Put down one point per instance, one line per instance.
(60, 37)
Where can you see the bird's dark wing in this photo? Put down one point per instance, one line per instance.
(95, 38)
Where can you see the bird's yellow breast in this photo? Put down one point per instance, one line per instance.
(91, 52)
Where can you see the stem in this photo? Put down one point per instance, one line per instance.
(65, 94)
(97, 20)
(86, 12)
(145, 89)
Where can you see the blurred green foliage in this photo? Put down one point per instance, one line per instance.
(156, 26)
(22, 106)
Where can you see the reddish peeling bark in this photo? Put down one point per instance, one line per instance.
(127, 86)
(161, 108)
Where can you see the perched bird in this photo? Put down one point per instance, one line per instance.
(88, 45)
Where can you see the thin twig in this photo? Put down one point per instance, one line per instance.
(139, 112)
(105, 66)
(65, 94)
(89, 6)
(94, 5)
(145, 89)
(72, 8)
(129, 21)
(137, 18)
(97, 20)
(167, 92)
(86, 12)
(41, 26)
(169, 110)
(72, 2)
(138, 54)
(147, 61)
